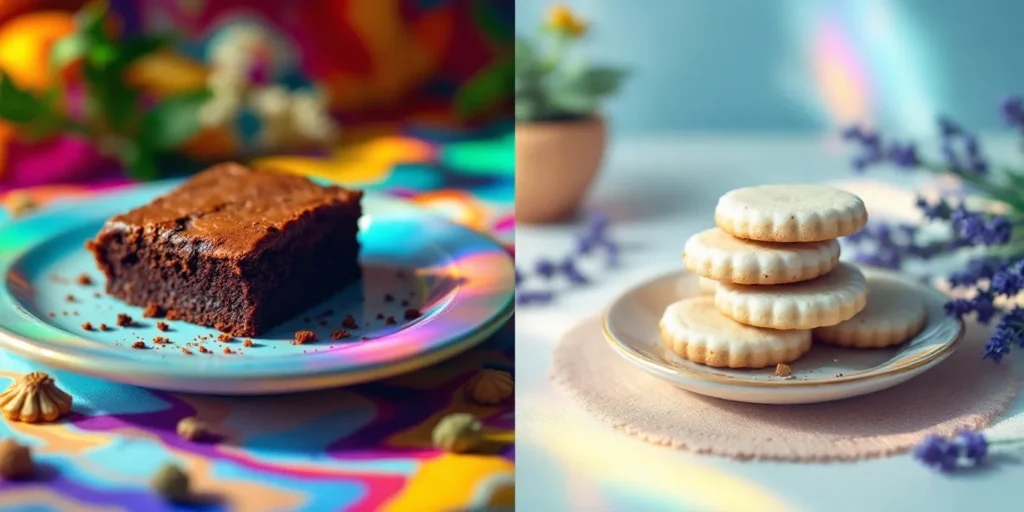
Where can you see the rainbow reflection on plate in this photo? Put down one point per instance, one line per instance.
(462, 281)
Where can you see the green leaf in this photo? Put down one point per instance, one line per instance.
(16, 104)
(596, 81)
(490, 21)
(138, 159)
(173, 121)
(487, 88)
(67, 50)
(133, 49)
(573, 102)
(89, 21)
(526, 57)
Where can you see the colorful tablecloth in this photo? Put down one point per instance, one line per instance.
(359, 448)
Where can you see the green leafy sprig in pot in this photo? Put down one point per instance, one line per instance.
(114, 116)
(548, 87)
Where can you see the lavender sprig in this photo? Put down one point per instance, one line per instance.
(999, 271)
(592, 242)
(966, 449)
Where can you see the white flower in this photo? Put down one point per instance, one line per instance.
(227, 82)
(270, 103)
(218, 111)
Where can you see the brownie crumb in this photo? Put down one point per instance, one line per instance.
(96, 294)
(338, 334)
(103, 327)
(380, 316)
(783, 370)
(225, 337)
(52, 314)
(186, 351)
(304, 337)
(87, 326)
(390, 321)
(172, 315)
(227, 350)
(323, 323)
(412, 314)
(74, 313)
(247, 344)
(161, 339)
(70, 298)
(123, 320)
(84, 279)
(64, 313)
(405, 303)
(162, 326)
(364, 338)
(350, 322)
(152, 311)
(139, 344)
(204, 350)
(388, 297)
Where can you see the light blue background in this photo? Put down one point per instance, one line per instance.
(748, 65)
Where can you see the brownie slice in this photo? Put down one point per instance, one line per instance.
(234, 249)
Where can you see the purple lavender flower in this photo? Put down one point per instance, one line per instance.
(973, 445)
(904, 155)
(1006, 283)
(976, 270)
(524, 297)
(948, 128)
(997, 346)
(984, 307)
(941, 210)
(569, 270)
(545, 268)
(586, 243)
(937, 452)
(1012, 108)
(959, 307)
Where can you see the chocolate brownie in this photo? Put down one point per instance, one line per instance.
(234, 249)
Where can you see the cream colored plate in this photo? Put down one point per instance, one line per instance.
(826, 373)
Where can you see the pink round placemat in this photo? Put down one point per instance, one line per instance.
(962, 392)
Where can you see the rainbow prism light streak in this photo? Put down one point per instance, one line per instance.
(868, 64)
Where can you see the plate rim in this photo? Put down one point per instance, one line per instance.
(630, 354)
(140, 373)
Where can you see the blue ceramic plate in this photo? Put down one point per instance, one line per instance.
(461, 281)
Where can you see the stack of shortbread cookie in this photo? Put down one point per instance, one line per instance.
(773, 267)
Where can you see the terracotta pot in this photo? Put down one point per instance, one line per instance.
(555, 165)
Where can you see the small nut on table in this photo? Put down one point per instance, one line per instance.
(15, 460)
(783, 370)
(490, 387)
(458, 433)
(171, 483)
(193, 428)
(20, 203)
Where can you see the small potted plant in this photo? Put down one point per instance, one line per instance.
(560, 136)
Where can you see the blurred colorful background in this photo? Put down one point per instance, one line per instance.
(411, 96)
(801, 66)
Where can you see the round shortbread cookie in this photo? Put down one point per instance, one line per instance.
(717, 255)
(790, 213)
(827, 300)
(695, 330)
(706, 285)
(894, 314)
